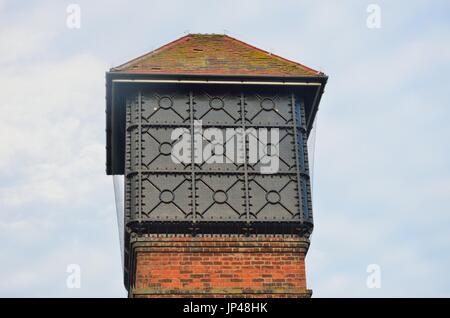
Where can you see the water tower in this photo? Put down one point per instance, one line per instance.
(205, 228)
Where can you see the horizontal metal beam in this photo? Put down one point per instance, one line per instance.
(162, 81)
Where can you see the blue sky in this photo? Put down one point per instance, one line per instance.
(381, 179)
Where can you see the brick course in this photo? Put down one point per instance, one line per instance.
(218, 266)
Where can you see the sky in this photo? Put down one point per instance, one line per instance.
(381, 194)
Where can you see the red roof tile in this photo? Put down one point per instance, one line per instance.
(213, 54)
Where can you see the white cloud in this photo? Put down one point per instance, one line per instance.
(381, 181)
(51, 136)
(56, 204)
(19, 42)
(24, 34)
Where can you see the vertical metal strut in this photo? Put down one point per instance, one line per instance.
(297, 161)
(140, 154)
(193, 192)
(247, 205)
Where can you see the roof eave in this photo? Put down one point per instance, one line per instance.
(320, 78)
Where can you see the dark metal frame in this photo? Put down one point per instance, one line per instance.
(143, 222)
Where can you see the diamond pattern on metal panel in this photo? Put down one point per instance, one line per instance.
(158, 189)
(160, 108)
(285, 148)
(273, 198)
(166, 197)
(228, 153)
(157, 149)
(220, 197)
(268, 110)
(221, 108)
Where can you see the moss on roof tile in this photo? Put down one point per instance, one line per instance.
(213, 54)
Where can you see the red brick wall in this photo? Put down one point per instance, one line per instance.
(218, 266)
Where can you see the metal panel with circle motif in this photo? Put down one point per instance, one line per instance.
(159, 189)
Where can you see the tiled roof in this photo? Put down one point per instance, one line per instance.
(213, 54)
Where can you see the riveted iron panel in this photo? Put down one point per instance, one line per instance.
(159, 189)
(273, 198)
(268, 109)
(218, 108)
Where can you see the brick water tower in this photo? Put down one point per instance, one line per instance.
(213, 228)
